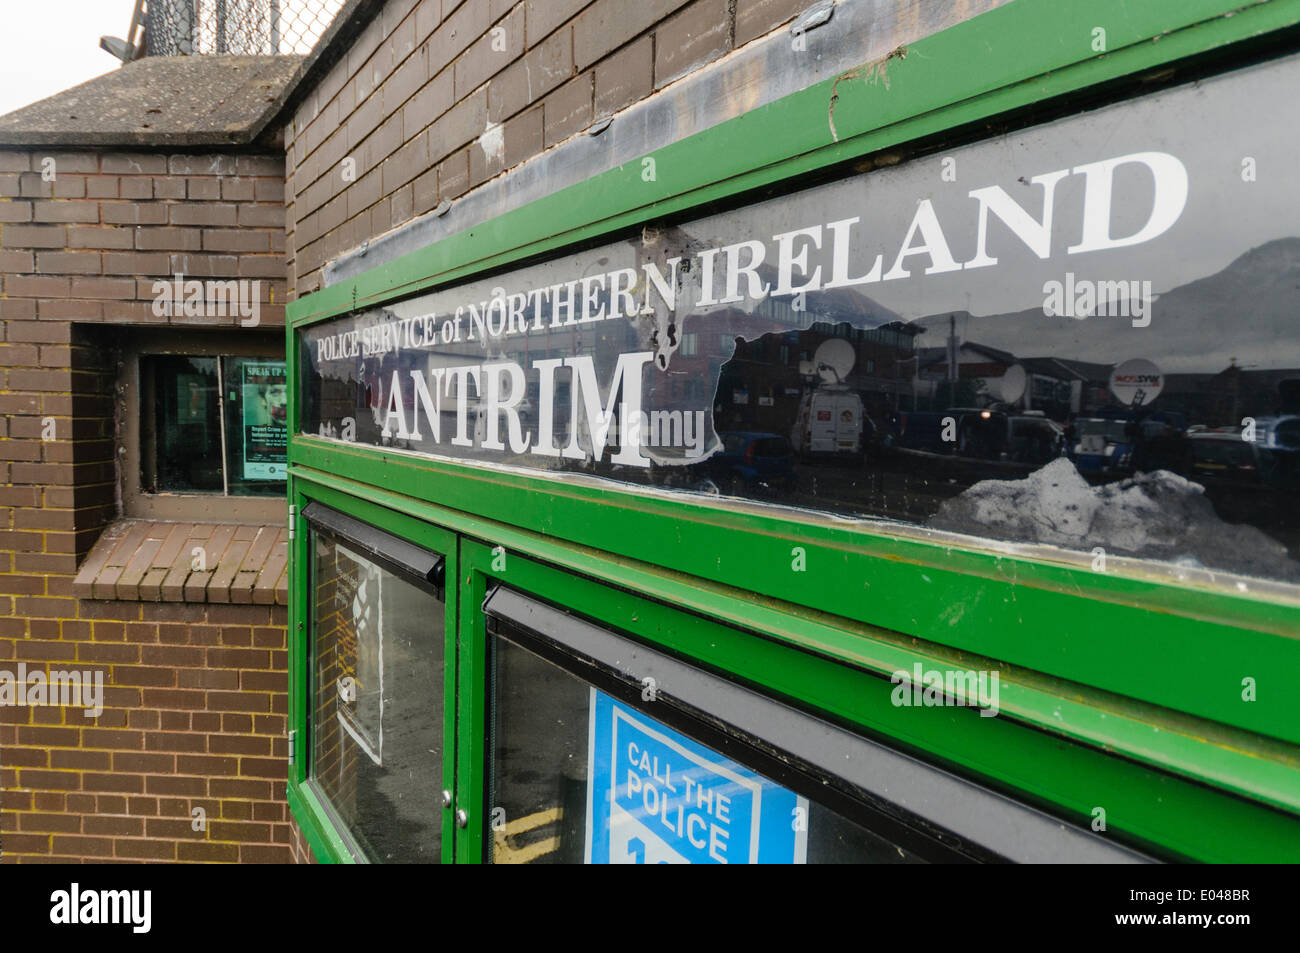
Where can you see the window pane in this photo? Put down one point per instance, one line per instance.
(180, 424)
(579, 776)
(1041, 283)
(256, 434)
(377, 728)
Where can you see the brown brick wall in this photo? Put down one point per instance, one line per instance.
(195, 717)
(195, 695)
(302, 852)
(426, 77)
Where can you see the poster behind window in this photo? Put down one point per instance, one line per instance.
(264, 424)
(359, 601)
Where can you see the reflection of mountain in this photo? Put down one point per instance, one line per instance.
(846, 304)
(836, 305)
(1247, 311)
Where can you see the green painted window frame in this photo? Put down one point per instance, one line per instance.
(1137, 664)
(818, 662)
(315, 818)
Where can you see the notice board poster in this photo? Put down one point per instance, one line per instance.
(358, 598)
(654, 796)
(265, 417)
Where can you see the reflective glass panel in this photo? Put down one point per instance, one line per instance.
(1080, 334)
(578, 776)
(377, 724)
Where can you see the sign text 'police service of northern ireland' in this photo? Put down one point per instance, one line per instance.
(572, 358)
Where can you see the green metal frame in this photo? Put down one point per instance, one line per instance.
(304, 800)
(1131, 662)
(842, 671)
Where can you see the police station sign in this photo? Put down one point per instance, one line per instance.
(1103, 256)
(574, 360)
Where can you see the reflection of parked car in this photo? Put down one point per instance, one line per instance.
(916, 430)
(1121, 440)
(1100, 444)
(973, 431)
(1280, 432)
(830, 421)
(1278, 439)
(1033, 438)
(1223, 457)
(982, 433)
(748, 463)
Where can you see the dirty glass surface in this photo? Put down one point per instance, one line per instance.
(1080, 334)
(186, 401)
(376, 729)
(181, 424)
(579, 777)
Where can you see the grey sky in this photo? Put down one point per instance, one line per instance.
(53, 45)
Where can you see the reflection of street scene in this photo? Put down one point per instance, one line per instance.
(836, 416)
(866, 396)
(813, 349)
(833, 402)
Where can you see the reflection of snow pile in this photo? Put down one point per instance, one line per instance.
(1158, 515)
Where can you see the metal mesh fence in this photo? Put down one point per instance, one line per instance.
(240, 27)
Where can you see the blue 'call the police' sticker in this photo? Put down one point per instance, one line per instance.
(654, 796)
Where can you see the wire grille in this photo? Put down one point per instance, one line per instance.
(238, 27)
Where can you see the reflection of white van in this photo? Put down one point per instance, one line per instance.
(829, 421)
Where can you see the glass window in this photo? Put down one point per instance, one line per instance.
(580, 776)
(378, 717)
(181, 399)
(213, 425)
(1085, 269)
(607, 750)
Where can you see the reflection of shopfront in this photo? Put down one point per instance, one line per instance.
(798, 528)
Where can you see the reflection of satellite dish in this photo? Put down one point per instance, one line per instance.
(1012, 384)
(1136, 382)
(834, 359)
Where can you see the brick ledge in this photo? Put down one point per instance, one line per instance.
(154, 561)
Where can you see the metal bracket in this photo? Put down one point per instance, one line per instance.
(293, 738)
(293, 519)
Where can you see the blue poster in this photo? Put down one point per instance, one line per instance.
(655, 796)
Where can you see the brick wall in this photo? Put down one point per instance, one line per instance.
(301, 851)
(427, 77)
(195, 693)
